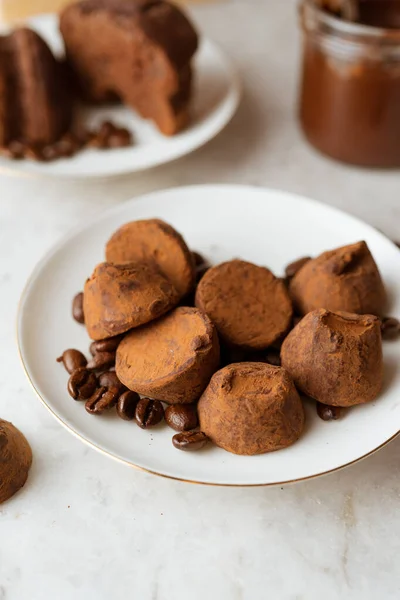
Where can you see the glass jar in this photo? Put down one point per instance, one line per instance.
(350, 89)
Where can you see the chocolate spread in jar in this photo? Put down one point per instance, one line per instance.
(350, 98)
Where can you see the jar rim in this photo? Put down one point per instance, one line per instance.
(341, 26)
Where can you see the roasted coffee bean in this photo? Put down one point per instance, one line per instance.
(119, 138)
(101, 400)
(65, 147)
(181, 417)
(50, 152)
(17, 148)
(149, 413)
(390, 328)
(329, 413)
(109, 345)
(14, 150)
(101, 361)
(77, 308)
(72, 360)
(295, 266)
(109, 379)
(95, 141)
(190, 440)
(106, 129)
(82, 384)
(126, 406)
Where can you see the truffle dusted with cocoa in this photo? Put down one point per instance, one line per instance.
(335, 358)
(251, 408)
(346, 279)
(249, 306)
(171, 359)
(120, 297)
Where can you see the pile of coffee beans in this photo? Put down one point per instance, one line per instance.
(106, 136)
(95, 382)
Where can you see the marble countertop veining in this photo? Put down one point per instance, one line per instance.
(85, 527)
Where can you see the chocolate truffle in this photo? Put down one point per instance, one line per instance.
(156, 243)
(117, 298)
(251, 408)
(137, 50)
(335, 358)
(15, 460)
(35, 103)
(249, 306)
(171, 359)
(343, 279)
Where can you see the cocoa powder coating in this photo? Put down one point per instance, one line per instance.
(335, 358)
(171, 359)
(15, 460)
(249, 306)
(251, 408)
(156, 243)
(120, 297)
(345, 279)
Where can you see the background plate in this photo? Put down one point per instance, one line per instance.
(215, 99)
(267, 227)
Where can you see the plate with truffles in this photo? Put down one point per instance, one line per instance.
(108, 88)
(218, 334)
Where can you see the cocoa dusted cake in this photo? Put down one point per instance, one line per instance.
(34, 103)
(139, 51)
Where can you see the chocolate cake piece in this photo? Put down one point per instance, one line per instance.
(35, 103)
(136, 50)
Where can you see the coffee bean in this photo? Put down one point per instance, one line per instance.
(101, 361)
(106, 129)
(64, 148)
(72, 360)
(126, 406)
(149, 413)
(50, 152)
(82, 384)
(102, 399)
(77, 308)
(119, 138)
(110, 379)
(14, 150)
(181, 417)
(190, 440)
(96, 142)
(390, 328)
(329, 413)
(109, 345)
(295, 266)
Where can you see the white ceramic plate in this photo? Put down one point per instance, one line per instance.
(264, 226)
(216, 97)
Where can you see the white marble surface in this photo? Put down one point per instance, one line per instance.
(85, 527)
